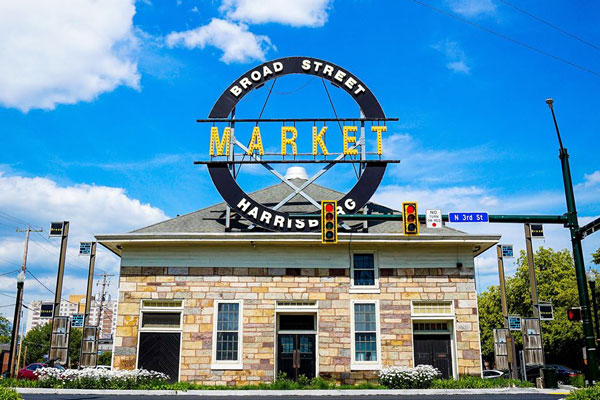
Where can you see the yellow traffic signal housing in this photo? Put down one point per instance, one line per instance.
(328, 221)
(410, 218)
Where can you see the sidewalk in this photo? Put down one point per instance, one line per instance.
(294, 393)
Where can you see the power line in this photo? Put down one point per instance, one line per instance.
(8, 273)
(550, 24)
(48, 289)
(505, 37)
(12, 219)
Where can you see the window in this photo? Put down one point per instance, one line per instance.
(432, 308)
(364, 274)
(227, 344)
(161, 315)
(365, 335)
(160, 320)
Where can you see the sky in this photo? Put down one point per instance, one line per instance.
(98, 104)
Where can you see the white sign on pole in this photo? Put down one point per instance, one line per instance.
(85, 248)
(434, 218)
(507, 251)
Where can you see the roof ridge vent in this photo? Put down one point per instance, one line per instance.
(296, 173)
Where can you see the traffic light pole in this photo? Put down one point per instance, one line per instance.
(573, 225)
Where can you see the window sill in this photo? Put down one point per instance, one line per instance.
(218, 366)
(365, 367)
(358, 289)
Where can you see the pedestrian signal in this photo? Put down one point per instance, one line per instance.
(574, 314)
(410, 218)
(329, 221)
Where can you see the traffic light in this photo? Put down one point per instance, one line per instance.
(574, 314)
(410, 218)
(329, 221)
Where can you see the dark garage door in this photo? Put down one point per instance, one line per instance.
(434, 350)
(160, 352)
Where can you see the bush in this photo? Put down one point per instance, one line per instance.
(419, 377)
(476, 382)
(8, 394)
(91, 378)
(591, 393)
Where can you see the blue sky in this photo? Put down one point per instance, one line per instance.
(99, 104)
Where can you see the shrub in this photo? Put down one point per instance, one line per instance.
(476, 382)
(419, 377)
(591, 393)
(91, 378)
(8, 394)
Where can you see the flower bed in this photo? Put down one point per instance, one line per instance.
(91, 378)
(419, 377)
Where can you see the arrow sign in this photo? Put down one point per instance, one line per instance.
(468, 217)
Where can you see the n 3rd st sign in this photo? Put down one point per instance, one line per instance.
(468, 217)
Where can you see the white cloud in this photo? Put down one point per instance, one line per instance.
(89, 209)
(290, 12)
(472, 8)
(237, 43)
(455, 56)
(591, 179)
(62, 53)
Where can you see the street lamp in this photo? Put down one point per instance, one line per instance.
(15, 329)
(591, 277)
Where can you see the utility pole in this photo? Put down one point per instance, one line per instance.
(100, 314)
(573, 225)
(510, 340)
(17, 316)
(533, 282)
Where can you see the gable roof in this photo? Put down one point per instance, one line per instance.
(212, 219)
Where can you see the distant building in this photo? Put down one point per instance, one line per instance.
(75, 305)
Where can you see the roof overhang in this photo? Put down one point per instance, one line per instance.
(115, 242)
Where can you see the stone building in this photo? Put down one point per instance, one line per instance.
(235, 307)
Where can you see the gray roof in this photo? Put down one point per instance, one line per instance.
(212, 219)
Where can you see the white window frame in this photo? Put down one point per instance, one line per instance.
(228, 364)
(365, 365)
(364, 288)
(432, 316)
(160, 310)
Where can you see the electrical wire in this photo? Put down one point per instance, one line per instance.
(550, 25)
(48, 289)
(506, 37)
(8, 273)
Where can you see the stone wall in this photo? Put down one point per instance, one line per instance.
(260, 288)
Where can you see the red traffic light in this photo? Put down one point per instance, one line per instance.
(410, 209)
(410, 218)
(328, 222)
(329, 207)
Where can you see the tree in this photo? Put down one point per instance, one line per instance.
(596, 257)
(555, 274)
(5, 330)
(105, 358)
(37, 341)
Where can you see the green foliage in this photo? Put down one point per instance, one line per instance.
(577, 381)
(596, 257)
(105, 358)
(38, 343)
(75, 345)
(555, 274)
(475, 382)
(5, 330)
(8, 394)
(591, 393)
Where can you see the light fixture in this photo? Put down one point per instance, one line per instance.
(591, 275)
(21, 277)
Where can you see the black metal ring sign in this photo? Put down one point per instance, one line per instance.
(266, 217)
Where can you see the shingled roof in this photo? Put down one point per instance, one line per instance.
(212, 219)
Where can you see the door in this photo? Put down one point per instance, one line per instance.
(434, 350)
(160, 352)
(296, 355)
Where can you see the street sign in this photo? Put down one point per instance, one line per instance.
(85, 248)
(46, 310)
(56, 228)
(468, 217)
(507, 251)
(514, 322)
(434, 218)
(77, 321)
(537, 231)
(546, 311)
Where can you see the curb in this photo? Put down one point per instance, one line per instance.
(294, 393)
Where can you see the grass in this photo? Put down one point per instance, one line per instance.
(8, 394)
(473, 382)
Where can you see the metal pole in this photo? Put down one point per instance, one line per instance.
(59, 281)
(90, 284)
(533, 283)
(573, 225)
(595, 306)
(510, 339)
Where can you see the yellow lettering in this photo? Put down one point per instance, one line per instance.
(349, 139)
(379, 129)
(285, 140)
(318, 140)
(256, 142)
(221, 146)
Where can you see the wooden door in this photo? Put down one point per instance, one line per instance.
(434, 350)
